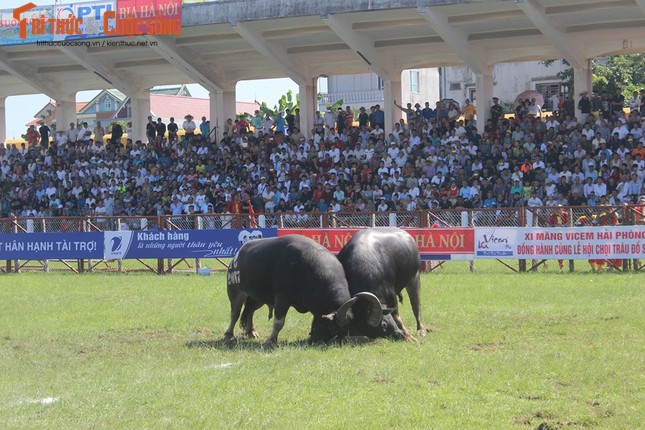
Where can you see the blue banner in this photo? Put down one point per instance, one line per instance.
(179, 243)
(51, 246)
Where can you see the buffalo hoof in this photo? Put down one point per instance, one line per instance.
(269, 345)
(422, 332)
(252, 334)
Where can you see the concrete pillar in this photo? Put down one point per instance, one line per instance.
(581, 83)
(484, 94)
(222, 107)
(392, 92)
(3, 120)
(212, 109)
(65, 111)
(308, 105)
(140, 107)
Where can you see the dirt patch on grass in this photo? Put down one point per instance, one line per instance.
(530, 397)
(486, 347)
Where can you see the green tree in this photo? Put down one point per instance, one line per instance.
(619, 71)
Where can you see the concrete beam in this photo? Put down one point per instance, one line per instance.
(189, 63)
(272, 52)
(29, 76)
(110, 75)
(360, 43)
(570, 50)
(472, 56)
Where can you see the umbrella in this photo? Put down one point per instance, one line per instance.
(529, 94)
(448, 102)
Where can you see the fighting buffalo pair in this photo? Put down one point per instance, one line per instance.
(354, 293)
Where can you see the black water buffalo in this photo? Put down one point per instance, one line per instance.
(383, 261)
(294, 271)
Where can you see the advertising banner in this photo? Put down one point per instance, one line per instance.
(51, 246)
(571, 243)
(10, 27)
(179, 243)
(75, 21)
(91, 16)
(434, 244)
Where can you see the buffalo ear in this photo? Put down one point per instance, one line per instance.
(344, 315)
(388, 311)
(330, 317)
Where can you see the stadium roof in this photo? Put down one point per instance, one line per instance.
(223, 43)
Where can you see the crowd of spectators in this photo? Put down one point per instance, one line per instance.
(433, 158)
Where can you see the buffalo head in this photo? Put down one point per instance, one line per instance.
(325, 327)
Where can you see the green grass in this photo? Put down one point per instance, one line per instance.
(141, 351)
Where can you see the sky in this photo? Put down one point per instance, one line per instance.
(21, 109)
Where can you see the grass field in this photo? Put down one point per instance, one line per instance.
(114, 351)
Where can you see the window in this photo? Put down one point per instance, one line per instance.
(547, 90)
(472, 94)
(108, 104)
(380, 84)
(454, 86)
(414, 81)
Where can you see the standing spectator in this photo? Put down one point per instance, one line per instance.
(32, 135)
(559, 218)
(496, 111)
(256, 122)
(618, 102)
(584, 104)
(635, 103)
(117, 133)
(379, 116)
(99, 132)
(44, 134)
(72, 134)
(204, 128)
(363, 118)
(469, 111)
(151, 130)
(267, 124)
(172, 130)
(161, 129)
(189, 127)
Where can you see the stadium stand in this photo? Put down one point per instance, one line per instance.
(434, 159)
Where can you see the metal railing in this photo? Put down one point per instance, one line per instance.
(502, 217)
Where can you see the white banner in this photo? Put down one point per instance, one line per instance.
(566, 243)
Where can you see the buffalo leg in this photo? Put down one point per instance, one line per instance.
(414, 292)
(246, 322)
(399, 324)
(280, 313)
(237, 298)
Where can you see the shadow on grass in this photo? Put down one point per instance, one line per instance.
(256, 345)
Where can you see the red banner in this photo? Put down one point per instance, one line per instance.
(148, 9)
(431, 241)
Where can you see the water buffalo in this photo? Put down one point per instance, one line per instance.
(294, 271)
(383, 261)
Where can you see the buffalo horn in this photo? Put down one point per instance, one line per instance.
(375, 311)
(341, 314)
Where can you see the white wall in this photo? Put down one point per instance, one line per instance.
(510, 79)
